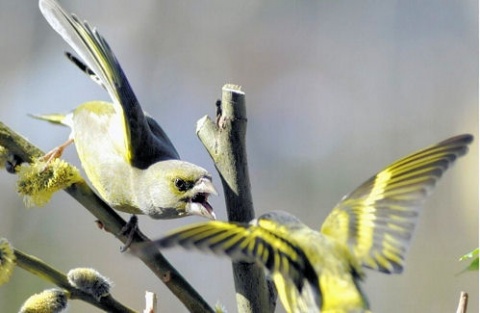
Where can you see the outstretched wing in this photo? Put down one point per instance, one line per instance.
(247, 243)
(378, 218)
(143, 146)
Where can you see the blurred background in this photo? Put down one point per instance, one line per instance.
(335, 90)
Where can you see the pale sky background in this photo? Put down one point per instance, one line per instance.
(336, 90)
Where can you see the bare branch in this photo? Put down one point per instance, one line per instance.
(225, 142)
(40, 268)
(462, 303)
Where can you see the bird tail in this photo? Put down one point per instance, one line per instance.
(54, 118)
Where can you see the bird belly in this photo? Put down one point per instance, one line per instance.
(113, 182)
(340, 294)
(338, 275)
(99, 140)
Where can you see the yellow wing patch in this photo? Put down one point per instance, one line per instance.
(246, 243)
(377, 219)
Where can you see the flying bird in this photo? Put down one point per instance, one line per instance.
(321, 271)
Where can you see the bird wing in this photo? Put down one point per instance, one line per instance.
(377, 219)
(169, 151)
(246, 243)
(143, 145)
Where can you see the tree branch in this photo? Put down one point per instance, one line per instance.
(225, 142)
(113, 223)
(40, 268)
(462, 303)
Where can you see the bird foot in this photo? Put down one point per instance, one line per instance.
(56, 152)
(129, 230)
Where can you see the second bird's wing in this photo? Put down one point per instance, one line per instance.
(246, 243)
(377, 219)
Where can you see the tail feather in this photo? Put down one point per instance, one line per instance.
(54, 118)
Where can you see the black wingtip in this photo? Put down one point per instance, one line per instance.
(165, 242)
(458, 144)
(82, 66)
(464, 139)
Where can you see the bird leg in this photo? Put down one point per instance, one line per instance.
(129, 231)
(57, 151)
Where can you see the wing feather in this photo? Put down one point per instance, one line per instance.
(245, 243)
(100, 60)
(377, 219)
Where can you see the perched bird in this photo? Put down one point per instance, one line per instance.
(127, 156)
(321, 271)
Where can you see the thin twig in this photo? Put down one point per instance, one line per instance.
(150, 302)
(41, 269)
(462, 303)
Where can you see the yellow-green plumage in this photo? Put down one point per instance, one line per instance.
(321, 271)
(127, 156)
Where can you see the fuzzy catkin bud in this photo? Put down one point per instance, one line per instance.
(7, 260)
(3, 156)
(47, 301)
(90, 281)
(38, 181)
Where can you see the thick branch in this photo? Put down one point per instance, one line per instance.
(225, 142)
(113, 223)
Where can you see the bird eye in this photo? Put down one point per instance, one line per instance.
(180, 184)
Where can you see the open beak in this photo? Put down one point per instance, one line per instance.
(199, 205)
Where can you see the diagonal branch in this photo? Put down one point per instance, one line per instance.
(40, 268)
(113, 223)
(225, 142)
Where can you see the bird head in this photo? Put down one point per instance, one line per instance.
(195, 195)
(279, 220)
(181, 189)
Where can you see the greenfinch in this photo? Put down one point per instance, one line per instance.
(321, 271)
(128, 158)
